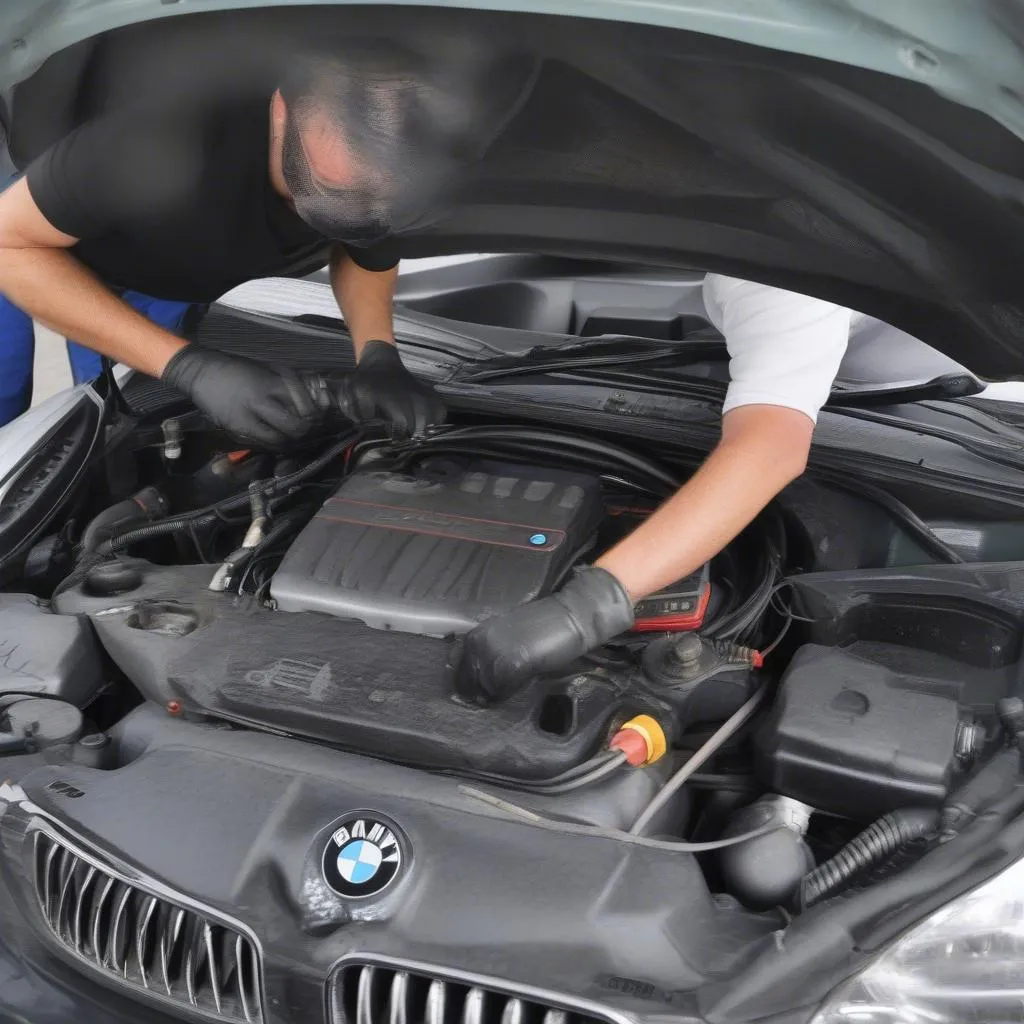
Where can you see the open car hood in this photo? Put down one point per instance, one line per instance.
(869, 153)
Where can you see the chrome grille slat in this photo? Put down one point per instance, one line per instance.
(49, 856)
(364, 997)
(81, 901)
(149, 906)
(97, 920)
(398, 999)
(436, 1001)
(475, 1006)
(382, 993)
(211, 964)
(244, 951)
(514, 1012)
(168, 944)
(147, 941)
(194, 959)
(118, 949)
(66, 872)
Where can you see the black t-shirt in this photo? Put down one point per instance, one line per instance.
(177, 202)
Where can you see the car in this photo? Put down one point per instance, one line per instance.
(238, 781)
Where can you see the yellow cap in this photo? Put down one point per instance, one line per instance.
(652, 734)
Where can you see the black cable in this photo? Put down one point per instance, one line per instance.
(580, 463)
(117, 398)
(201, 518)
(542, 785)
(876, 844)
(533, 437)
(735, 623)
(721, 782)
(281, 529)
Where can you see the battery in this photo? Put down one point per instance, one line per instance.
(678, 608)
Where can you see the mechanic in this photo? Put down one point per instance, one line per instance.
(785, 351)
(115, 232)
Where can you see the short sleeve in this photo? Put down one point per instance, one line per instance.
(784, 348)
(118, 172)
(376, 258)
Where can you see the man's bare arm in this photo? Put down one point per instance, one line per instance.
(365, 298)
(40, 276)
(763, 448)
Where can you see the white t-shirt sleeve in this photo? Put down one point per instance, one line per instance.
(784, 348)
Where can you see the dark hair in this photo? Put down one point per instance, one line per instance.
(388, 99)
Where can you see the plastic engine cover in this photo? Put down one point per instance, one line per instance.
(438, 549)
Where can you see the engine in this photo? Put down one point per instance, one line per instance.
(441, 547)
(350, 633)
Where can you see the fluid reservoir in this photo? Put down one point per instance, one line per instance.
(31, 724)
(766, 872)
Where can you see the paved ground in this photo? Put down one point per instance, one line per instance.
(52, 372)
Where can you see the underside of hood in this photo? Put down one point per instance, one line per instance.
(647, 144)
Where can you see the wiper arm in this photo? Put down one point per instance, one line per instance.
(949, 385)
(597, 352)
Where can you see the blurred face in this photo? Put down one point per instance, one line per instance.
(345, 198)
(332, 192)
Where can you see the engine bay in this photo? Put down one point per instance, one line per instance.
(326, 600)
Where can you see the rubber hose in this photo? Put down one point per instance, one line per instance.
(144, 507)
(876, 844)
(125, 540)
(198, 518)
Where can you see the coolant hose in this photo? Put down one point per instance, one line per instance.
(145, 506)
(189, 521)
(875, 845)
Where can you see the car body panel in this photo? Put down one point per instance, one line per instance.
(873, 188)
(966, 51)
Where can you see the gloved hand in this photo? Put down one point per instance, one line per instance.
(258, 405)
(382, 388)
(500, 655)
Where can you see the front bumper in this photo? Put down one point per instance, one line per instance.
(237, 823)
(38, 988)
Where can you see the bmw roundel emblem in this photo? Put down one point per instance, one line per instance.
(363, 857)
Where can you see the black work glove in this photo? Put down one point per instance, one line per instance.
(258, 405)
(382, 388)
(500, 655)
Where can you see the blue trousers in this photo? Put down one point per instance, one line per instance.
(17, 349)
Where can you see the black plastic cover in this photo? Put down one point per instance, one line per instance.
(54, 655)
(386, 693)
(852, 737)
(441, 547)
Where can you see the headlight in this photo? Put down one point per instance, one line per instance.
(964, 963)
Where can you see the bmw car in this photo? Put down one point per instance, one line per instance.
(237, 781)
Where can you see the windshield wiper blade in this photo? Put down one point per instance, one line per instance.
(949, 385)
(597, 352)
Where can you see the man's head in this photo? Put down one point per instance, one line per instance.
(367, 136)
